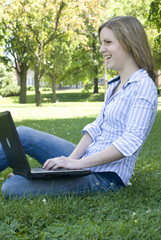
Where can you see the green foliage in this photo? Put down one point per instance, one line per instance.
(8, 83)
(28, 27)
(138, 9)
(155, 20)
(46, 89)
(10, 90)
(155, 14)
(30, 88)
(6, 77)
(85, 61)
(87, 87)
(57, 59)
(159, 90)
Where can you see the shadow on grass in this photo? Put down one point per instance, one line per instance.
(68, 97)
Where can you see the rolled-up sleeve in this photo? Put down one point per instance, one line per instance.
(141, 116)
(92, 129)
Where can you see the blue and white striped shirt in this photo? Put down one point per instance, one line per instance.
(125, 121)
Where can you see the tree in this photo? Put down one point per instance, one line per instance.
(42, 33)
(155, 19)
(56, 60)
(50, 21)
(86, 64)
(26, 28)
(17, 42)
(33, 25)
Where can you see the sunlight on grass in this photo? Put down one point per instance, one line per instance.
(58, 110)
(54, 111)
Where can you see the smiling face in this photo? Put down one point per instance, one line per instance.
(116, 57)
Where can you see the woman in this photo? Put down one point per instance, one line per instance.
(110, 145)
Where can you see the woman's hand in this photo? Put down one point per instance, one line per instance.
(62, 162)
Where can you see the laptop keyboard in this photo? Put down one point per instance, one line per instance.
(39, 169)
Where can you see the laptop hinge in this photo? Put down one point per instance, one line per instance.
(22, 173)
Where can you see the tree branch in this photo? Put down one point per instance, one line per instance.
(53, 35)
(62, 5)
(34, 32)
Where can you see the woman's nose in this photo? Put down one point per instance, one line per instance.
(102, 48)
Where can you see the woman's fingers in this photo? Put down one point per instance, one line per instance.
(54, 163)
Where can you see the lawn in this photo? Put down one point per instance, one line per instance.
(132, 213)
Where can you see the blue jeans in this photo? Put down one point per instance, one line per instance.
(42, 146)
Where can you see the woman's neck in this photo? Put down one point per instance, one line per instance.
(128, 70)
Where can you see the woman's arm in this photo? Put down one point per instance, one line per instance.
(109, 154)
(80, 149)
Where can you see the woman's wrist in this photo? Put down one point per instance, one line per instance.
(110, 154)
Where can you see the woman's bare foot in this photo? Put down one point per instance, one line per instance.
(10, 175)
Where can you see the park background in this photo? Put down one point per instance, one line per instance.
(58, 41)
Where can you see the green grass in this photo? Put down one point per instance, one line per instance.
(132, 213)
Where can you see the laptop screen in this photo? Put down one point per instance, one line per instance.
(12, 145)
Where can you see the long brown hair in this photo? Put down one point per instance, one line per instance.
(132, 37)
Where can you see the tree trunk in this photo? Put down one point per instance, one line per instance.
(37, 90)
(53, 80)
(96, 80)
(22, 73)
(95, 85)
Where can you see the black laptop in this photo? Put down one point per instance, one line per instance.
(16, 156)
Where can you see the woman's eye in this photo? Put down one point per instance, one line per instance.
(108, 41)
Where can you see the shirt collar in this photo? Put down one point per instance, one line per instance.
(115, 79)
(133, 78)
